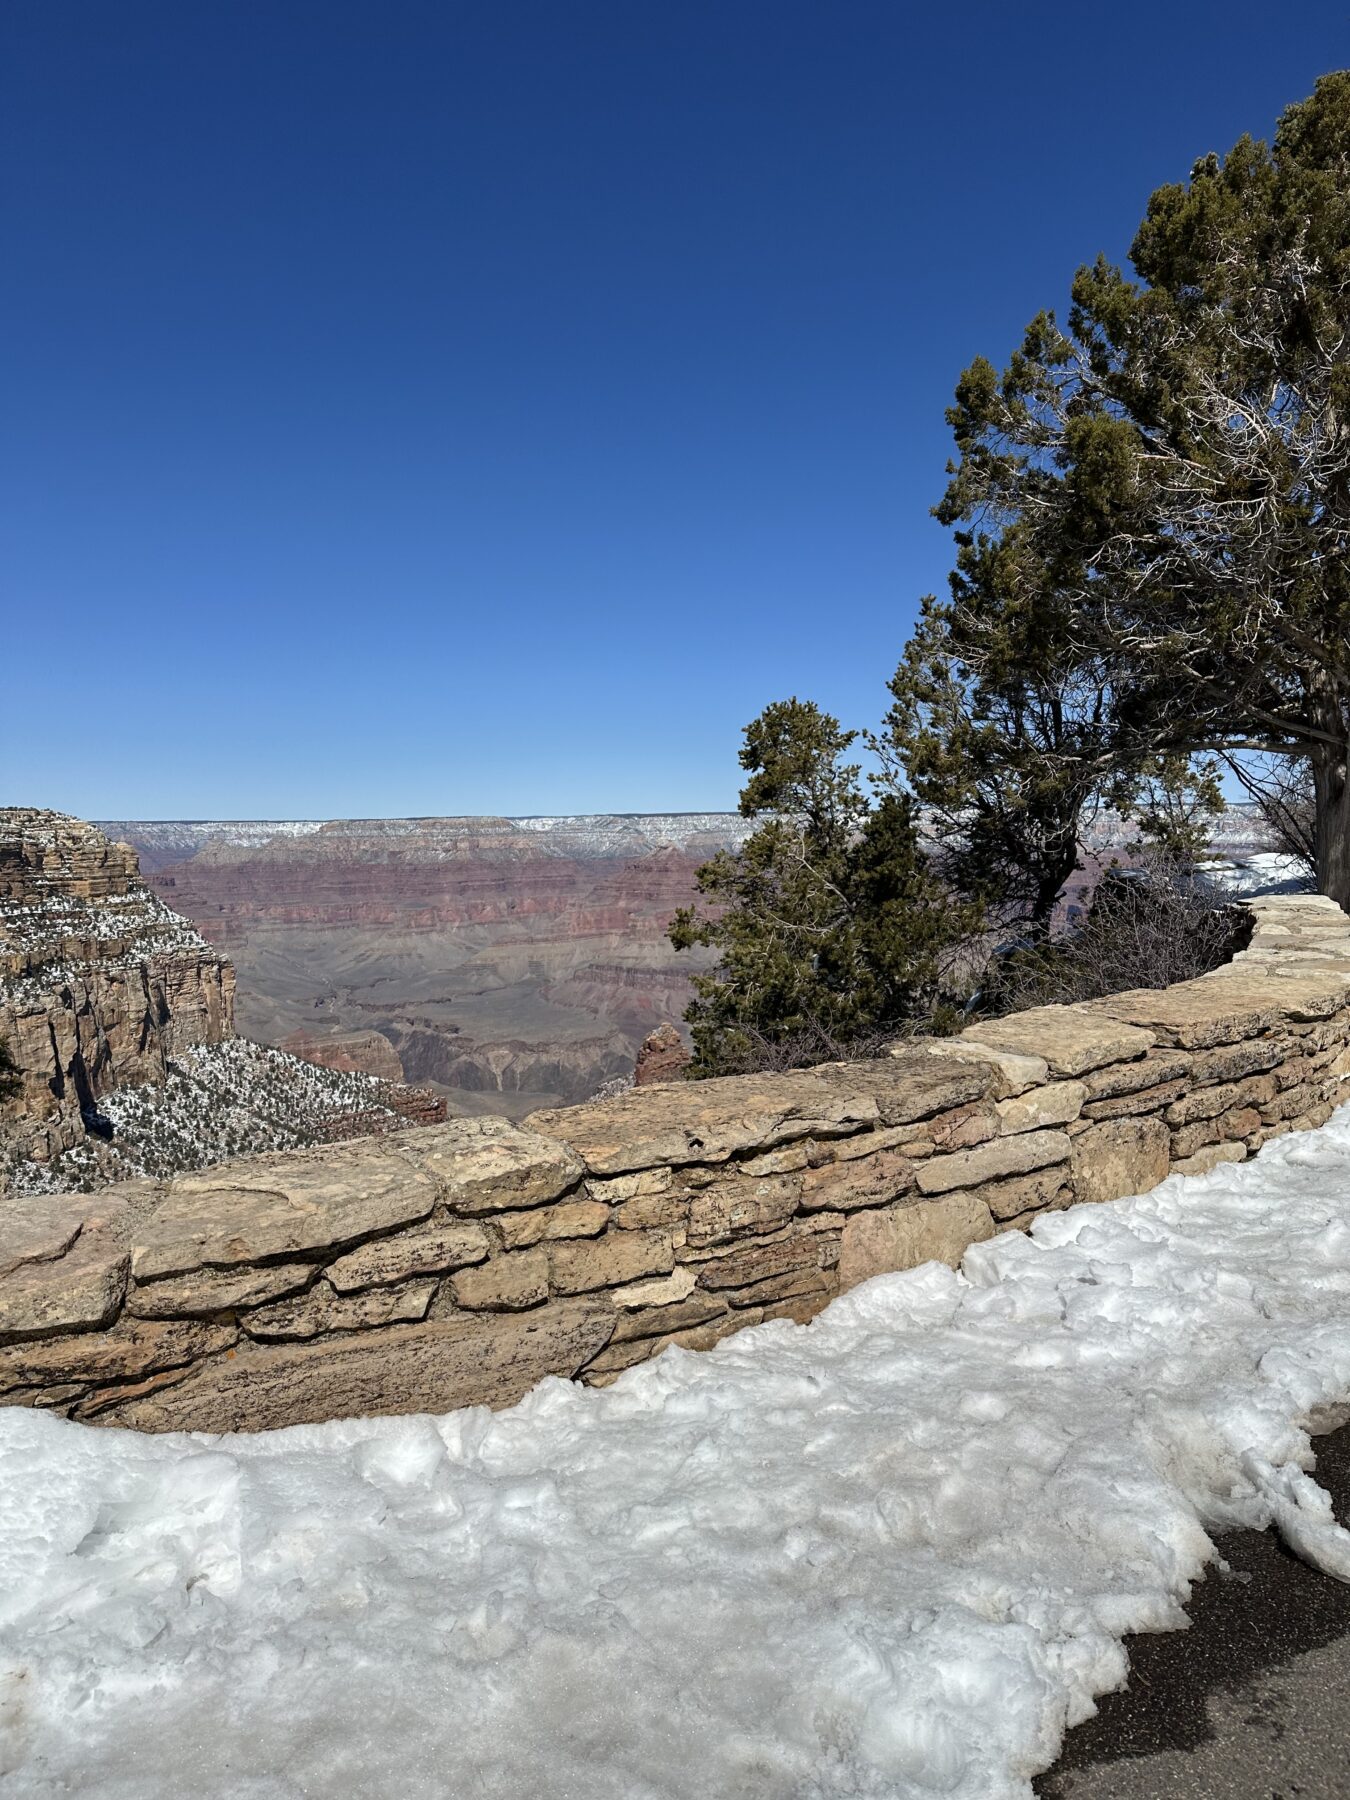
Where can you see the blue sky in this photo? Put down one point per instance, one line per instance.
(431, 407)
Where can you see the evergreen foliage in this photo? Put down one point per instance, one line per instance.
(831, 925)
(1151, 508)
(1152, 503)
(11, 1079)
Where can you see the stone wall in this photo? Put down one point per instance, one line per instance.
(460, 1264)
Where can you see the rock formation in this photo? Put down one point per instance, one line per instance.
(100, 984)
(661, 1057)
(120, 1017)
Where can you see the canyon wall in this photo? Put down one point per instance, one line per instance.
(510, 963)
(100, 984)
(460, 1264)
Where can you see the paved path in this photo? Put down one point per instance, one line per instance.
(1252, 1703)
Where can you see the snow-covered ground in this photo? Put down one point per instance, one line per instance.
(216, 1101)
(1245, 875)
(890, 1554)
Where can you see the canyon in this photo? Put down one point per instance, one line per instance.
(509, 964)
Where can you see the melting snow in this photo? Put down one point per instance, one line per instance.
(888, 1554)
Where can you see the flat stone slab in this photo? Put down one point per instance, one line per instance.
(489, 1165)
(435, 1367)
(1016, 1072)
(712, 1121)
(1015, 1155)
(1070, 1039)
(279, 1206)
(428, 1249)
(131, 1349)
(207, 1291)
(38, 1229)
(79, 1291)
(1225, 1007)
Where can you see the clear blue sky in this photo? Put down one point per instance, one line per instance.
(432, 407)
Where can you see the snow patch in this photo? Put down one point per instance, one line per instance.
(889, 1554)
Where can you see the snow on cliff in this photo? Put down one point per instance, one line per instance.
(889, 1554)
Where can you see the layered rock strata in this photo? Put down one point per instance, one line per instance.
(100, 984)
(459, 1264)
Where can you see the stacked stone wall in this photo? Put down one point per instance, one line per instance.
(460, 1264)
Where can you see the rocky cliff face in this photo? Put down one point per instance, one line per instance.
(100, 984)
(511, 963)
(120, 1017)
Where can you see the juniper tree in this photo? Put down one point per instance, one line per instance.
(1173, 467)
(829, 923)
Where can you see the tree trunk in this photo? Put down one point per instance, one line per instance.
(1331, 790)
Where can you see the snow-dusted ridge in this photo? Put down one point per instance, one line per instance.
(889, 1554)
(586, 834)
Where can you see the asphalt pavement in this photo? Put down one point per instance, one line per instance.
(1251, 1703)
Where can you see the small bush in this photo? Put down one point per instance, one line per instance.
(1147, 928)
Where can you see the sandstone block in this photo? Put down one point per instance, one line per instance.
(1224, 1008)
(862, 1181)
(1208, 1103)
(1070, 1039)
(207, 1291)
(1209, 1158)
(989, 1162)
(1041, 1191)
(784, 1161)
(511, 1283)
(738, 1206)
(904, 1236)
(489, 1165)
(914, 1140)
(320, 1310)
(565, 1219)
(611, 1261)
(964, 1127)
(1124, 1156)
(640, 1185)
(651, 1321)
(1056, 1104)
(1293, 1102)
(1128, 1078)
(127, 1350)
(710, 1121)
(792, 1284)
(1241, 1122)
(79, 1291)
(801, 1310)
(276, 1206)
(38, 1229)
(433, 1367)
(623, 1354)
(1015, 1072)
(652, 1212)
(427, 1249)
(758, 1262)
(1146, 1100)
(1188, 1139)
(1232, 1061)
(661, 1290)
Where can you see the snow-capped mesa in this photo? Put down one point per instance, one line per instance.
(891, 1553)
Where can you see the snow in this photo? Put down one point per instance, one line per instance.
(1258, 872)
(890, 1553)
(216, 1101)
